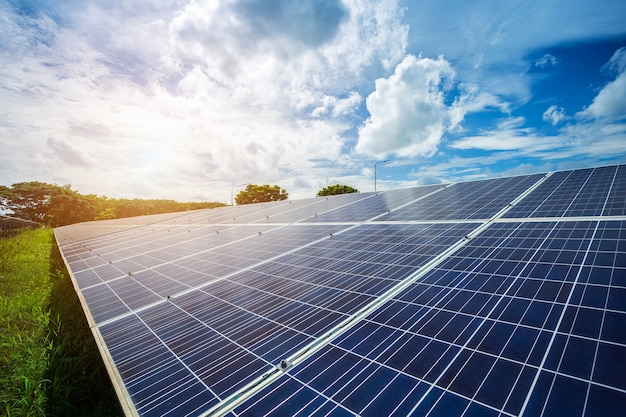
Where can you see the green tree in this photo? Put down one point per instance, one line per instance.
(68, 206)
(49, 204)
(336, 189)
(55, 205)
(260, 194)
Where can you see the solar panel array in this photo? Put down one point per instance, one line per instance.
(502, 297)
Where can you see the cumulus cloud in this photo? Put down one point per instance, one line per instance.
(310, 23)
(408, 113)
(610, 100)
(554, 114)
(291, 47)
(182, 99)
(206, 94)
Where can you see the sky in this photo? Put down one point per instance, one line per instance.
(192, 99)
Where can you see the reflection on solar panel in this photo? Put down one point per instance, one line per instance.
(503, 297)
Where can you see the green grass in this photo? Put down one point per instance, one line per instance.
(49, 362)
(24, 322)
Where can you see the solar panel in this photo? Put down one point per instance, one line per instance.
(576, 193)
(501, 297)
(470, 200)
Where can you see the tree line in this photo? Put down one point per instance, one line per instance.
(265, 193)
(53, 205)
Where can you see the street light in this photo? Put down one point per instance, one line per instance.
(376, 163)
(232, 202)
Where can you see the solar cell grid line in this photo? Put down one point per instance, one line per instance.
(282, 211)
(86, 230)
(379, 204)
(592, 197)
(584, 352)
(303, 354)
(616, 203)
(563, 298)
(145, 371)
(301, 261)
(108, 252)
(230, 214)
(570, 193)
(528, 207)
(98, 297)
(146, 239)
(248, 261)
(160, 230)
(320, 205)
(509, 286)
(297, 400)
(260, 211)
(525, 372)
(224, 324)
(469, 200)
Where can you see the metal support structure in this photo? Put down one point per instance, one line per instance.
(376, 163)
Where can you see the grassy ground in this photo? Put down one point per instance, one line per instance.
(49, 363)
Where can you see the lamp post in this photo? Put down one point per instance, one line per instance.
(376, 163)
(232, 202)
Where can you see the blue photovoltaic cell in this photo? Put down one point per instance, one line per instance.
(290, 299)
(576, 193)
(418, 301)
(478, 340)
(616, 202)
(123, 285)
(377, 204)
(470, 200)
(157, 381)
(318, 206)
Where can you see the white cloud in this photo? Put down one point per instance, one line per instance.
(474, 100)
(179, 99)
(264, 58)
(337, 106)
(510, 135)
(69, 154)
(586, 142)
(617, 63)
(487, 43)
(408, 115)
(188, 99)
(610, 101)
(547, 60)
(554, 114)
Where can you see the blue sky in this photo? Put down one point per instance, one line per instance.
(188, 99)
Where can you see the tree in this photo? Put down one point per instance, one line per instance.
(55, 205)
(68, 206)
(336, 189)
(29, 200)
(49, 204)
(260, 194)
